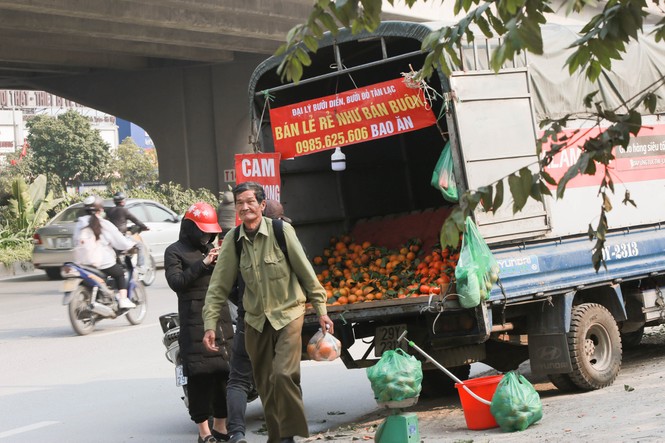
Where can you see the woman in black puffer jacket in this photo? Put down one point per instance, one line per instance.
(188, 265)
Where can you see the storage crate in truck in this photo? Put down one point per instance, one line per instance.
(552, 307)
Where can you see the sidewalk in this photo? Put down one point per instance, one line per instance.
(16, 269)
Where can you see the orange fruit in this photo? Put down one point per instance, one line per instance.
(342, 300)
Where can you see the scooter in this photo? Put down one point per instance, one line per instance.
(170, 324)
(149, 268)
(90, 298)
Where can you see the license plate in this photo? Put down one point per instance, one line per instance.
(180, 379)
(69, 284)
(385, 338)
(63, 243)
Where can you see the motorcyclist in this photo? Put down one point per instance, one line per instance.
(96, 241)
(119, 216)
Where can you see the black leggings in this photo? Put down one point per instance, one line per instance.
(207, 396)
(118, 273)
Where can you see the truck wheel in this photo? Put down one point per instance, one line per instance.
(436, 383)
(563, 382)
(632, 339)
(595, 347)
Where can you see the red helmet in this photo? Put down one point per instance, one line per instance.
(204, 216)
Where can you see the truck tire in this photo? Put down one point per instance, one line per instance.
(632, 339)
(595, 347)
(563, 382)
(436, 383)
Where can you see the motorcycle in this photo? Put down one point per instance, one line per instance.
(149, 268)
(170, 324)
(90, 298)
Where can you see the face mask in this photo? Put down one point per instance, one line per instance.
(205, 238)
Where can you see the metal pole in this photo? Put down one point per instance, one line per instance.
(339, 72)
(438, 365)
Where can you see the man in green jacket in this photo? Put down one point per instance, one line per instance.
(276, 290)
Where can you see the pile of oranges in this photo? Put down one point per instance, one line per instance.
(362, 272)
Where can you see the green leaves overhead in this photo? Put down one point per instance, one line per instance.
(520, 188)
(602, 40)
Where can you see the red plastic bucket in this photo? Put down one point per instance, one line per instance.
(477, 414)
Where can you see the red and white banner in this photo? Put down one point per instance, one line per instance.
(262, 168)
(643, 160)
(354, 116)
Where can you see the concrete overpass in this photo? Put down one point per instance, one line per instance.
(178, 68)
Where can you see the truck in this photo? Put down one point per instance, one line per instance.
(551, 307)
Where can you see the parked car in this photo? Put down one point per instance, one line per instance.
(53, 243)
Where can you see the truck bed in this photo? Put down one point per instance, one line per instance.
(537, 269)
(381, 309)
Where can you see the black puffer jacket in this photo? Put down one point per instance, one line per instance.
(189, 278)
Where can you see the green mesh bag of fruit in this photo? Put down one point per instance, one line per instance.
(477, 270)
(516, 404)
(396, 376)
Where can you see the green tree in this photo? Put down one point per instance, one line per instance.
(68, 147)
(602, 40)
(132, 167)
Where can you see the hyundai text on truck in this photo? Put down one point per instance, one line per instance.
(555, 310)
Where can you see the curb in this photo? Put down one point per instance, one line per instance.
(16, 269)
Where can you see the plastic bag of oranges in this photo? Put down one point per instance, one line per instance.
(396, 376)
(324, 347)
